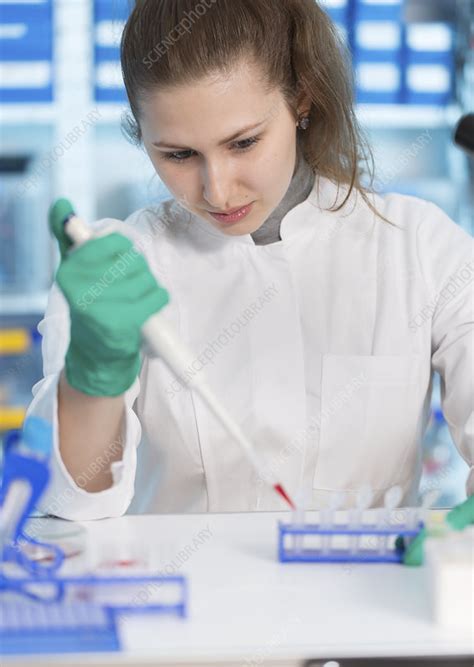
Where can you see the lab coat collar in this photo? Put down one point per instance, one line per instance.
(313, 213)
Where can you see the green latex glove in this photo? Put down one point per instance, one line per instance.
(462, 515)
(111, 293)
(458, 518)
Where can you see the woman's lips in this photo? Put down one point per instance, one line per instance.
(233, 217)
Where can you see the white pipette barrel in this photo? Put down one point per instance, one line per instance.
(161, 341)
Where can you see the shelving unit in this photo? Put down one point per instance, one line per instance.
(104, 176)
(86, 35)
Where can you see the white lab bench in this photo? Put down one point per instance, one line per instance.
(246, 608)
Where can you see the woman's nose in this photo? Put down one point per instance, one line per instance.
(216, 187)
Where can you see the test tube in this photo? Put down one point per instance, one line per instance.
(391, 500)
(356, 514)
(328, 518)
(298, 520)
(417, 514)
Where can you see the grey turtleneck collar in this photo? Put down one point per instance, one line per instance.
(300, 188)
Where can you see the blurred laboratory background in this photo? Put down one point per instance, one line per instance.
(61, 101)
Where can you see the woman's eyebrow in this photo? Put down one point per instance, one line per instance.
(163, 144)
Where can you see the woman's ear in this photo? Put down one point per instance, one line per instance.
(303, 100)
(304, 105)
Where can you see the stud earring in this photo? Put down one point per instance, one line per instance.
(303, 123)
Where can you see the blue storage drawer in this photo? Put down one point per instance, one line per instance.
(26, 31)
(24, 82)
(378, 82)
(429, 56)
(108, 28)
(429, 83)
(33, 11)
(26, 95)
(25, 41)
(378, 10)
(111, 10)
(110, 17)
(371, 97)
(430, 43)
(107, 39)
(104, 54)
(378, 41)
(111, 95)
(26, 52)
(338, 16)
(108, 82)
(338, 11)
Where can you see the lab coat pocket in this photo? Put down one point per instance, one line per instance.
(369, 422)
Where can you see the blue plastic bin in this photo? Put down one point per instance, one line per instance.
(26, 38)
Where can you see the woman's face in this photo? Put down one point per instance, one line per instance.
(187, 134)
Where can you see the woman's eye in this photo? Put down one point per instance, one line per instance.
(247, 143)
(239, 146)
(178, 157)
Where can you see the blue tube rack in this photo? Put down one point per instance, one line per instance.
(78, 614)
(44, 611)
(288, 552)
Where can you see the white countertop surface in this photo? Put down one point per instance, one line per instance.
(247, 608)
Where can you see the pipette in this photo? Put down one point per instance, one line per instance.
(161, 341)
(363, 501)
(25, 476)
(391, 499)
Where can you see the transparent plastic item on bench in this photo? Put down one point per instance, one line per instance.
(363, 500)
(70, 537)
(449, 574)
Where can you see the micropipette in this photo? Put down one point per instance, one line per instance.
(391, 499)
(25, 476)
(161, 341)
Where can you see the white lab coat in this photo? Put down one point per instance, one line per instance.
(322, 346)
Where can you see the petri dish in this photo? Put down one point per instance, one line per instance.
(69, 536)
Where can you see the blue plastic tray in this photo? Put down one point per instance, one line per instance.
(289, 553)
(75, 614)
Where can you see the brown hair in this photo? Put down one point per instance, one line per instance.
(166, 43)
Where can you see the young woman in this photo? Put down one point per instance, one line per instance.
(318, 311)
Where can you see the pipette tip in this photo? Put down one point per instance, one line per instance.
(280, 490)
